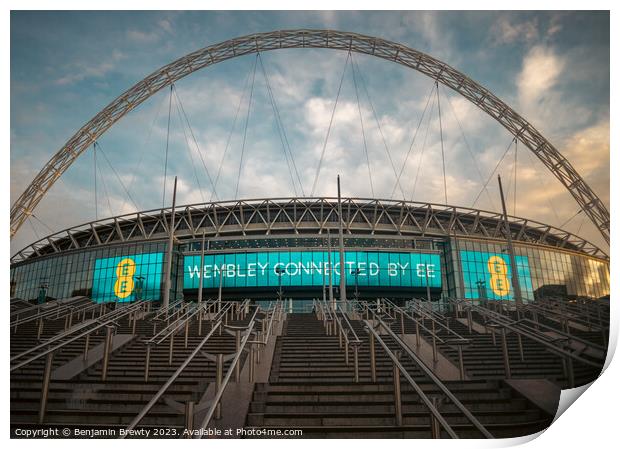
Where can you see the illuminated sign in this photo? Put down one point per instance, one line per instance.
(312, 268)
(489, 275)
(127, 278)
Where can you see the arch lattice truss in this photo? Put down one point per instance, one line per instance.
(589, 202)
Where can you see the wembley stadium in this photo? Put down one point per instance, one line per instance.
(305, 316)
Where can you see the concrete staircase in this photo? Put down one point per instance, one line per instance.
(312, 389)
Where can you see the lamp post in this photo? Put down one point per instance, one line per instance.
(139, 283)
(428, 287)
(279, 271)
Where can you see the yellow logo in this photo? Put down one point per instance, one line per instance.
(124, 283)
(499, 276)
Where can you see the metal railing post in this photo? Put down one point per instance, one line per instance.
(218, 382)
(171, 349)
(251, 367)
(402, 324)
(47, 375)
(373, 367)
(461, 365)
(186, 332)
(40, 329)
(435, 429)
(106, 352)
(237, 346)
(505, 351)
(86, 344)
(189, 416)
(356, 362)
(147, 362)
(417, 333)
(398, 409)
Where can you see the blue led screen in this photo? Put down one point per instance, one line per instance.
(127, 278)
(312, 268)
(489, 275)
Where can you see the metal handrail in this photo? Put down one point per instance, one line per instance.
(434, 317)
(525, 321)
(47, 305)
(174, 376)
(427, 401)
(567, 335)
(271, 311)
(224, 384)
(61, 311)
(346, 319)
(456, 336)
(166, 310)
(104, 320)
(549, 313)
(176, 325)
(553, 348)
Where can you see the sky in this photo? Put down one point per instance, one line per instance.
(551, 67)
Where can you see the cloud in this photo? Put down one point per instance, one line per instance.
(588, 151)
(143, 37)
(82, 70)
(504, 32)
(540, 72)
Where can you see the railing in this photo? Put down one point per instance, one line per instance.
(456, 339)
(567, 315)
(222, 384)
(216, 324)
(48, 349)
(60, 311)
(500, 324)
(165, 311)
(437, 420)
(169, 331)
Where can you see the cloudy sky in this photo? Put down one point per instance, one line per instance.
(553, 68)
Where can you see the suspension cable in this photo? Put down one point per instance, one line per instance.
(143, 146)
(245, 128)
(105, 189)
(428, 125)
(95, 178)
(191, 130)
(355, 66)
(570, 219)
(542, 185)
(468, 147)
(117, 176)
(163, 199)
(514, 207)
(494, 170)
(232, 129)
(415, 135)
(36, 234)
(288, 164)
(359, 109)
(51, 231)
(329, 128)
(281, 124)
(443, 159)
(189, 149)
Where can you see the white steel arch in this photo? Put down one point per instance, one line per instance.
(523, 131)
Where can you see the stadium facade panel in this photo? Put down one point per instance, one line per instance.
(258, 248)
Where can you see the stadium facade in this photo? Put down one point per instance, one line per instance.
(261, 248)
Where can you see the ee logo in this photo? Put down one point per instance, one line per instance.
(499, 276)
(124, 284)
